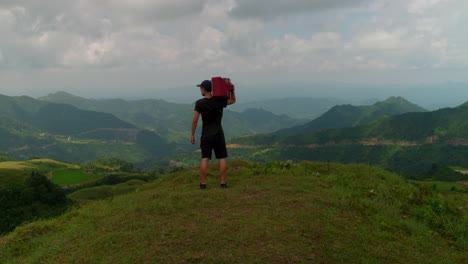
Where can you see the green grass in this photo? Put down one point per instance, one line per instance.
(42, 165)
(106, 191)
(11, 177)
(47, 165)
(272, 213)
(15, 165)
(441, 186)
(69, 177)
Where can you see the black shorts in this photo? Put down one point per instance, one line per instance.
(216, 143)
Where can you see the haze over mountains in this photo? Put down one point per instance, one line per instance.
(429, 96)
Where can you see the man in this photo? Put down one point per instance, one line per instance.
(212, 138)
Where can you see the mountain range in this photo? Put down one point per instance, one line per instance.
(349, 116)
(297, 107)
(72, 128)
(145, 130)
(409, 143)
(172, 120)
(31, 127)
(448, 125)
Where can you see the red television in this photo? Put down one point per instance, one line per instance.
(221, 87)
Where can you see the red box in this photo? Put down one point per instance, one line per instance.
(221, 87)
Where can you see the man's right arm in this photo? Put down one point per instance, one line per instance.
(232, 98)
(196, 115)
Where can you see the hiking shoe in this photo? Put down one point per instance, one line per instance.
(202, 186)
(224, 185)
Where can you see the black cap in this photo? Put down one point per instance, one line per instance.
(205, 84)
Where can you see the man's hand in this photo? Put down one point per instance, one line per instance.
(196, 115)
(232, 98)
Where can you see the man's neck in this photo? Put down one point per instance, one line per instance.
(208, 96)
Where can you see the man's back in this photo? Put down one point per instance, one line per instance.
(211, 110)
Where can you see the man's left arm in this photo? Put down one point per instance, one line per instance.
(196, 115)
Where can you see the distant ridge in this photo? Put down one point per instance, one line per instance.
(306, 108)
(349, 116)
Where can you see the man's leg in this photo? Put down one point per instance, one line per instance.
(203, 170)
(221, 155)
(223, 170)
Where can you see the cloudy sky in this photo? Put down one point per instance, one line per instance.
(112, 48)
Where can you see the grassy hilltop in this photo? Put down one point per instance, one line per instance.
(278, 212)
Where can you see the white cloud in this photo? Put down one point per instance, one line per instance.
(7, 18)
(428, 25)
(269, 37)
(421, 6)
(384, 40)
(84, 53)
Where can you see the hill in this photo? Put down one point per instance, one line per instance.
(349, 116)
(172, 121)
(32, 128)
(4, 157)
(36, 188)
(26, 196)
(56, 118)
(273, 213)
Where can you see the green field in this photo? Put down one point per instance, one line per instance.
(274, 213)
(69, 177)
(41, 165)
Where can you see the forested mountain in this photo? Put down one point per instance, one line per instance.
(448, 125)
(30, 127)
(409, 143)
(56, 118)
(172, 121)
(348, 116)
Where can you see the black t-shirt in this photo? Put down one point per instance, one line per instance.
(211, 111)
